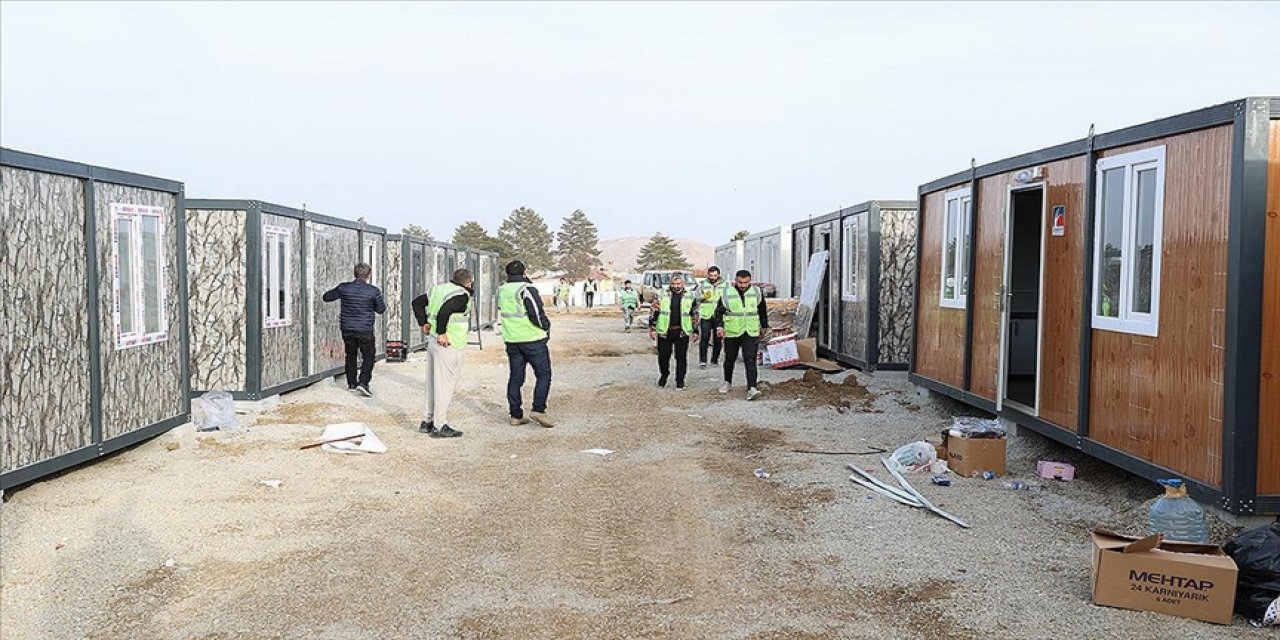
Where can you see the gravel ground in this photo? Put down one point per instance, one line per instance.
(512, 532)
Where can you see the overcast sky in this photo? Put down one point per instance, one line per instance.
(691, 119)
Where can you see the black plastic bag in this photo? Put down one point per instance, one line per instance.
(1257, 555)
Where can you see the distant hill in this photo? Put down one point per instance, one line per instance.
(622, 252)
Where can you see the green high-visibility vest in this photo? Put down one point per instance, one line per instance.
(516, 326)
(629, 298)
(459, 323)
(710, 295)
(664, 314)
(741, 315)
(563, 290)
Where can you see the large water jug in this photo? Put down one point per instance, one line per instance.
(1178, 516)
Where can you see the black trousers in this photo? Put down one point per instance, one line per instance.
(707, 338)
(680, 346)
(749, 345)
(362, 342)
(590, 298)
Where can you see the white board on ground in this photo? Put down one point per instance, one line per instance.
(809, 294)
(367, 443)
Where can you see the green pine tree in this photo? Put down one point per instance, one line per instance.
(472, 235)
(661, 253)
(417, 231)
(577, 249)
(741, 235)
(529, 238)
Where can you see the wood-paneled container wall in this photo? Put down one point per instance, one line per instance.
(939, 330)
(1269, 386)
(1161, 398)
(44, 408)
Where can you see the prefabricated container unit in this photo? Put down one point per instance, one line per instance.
(257, 273)
(486, 271)
(95, 355)
(414, 265)
(1124, 297)
(767, 255)
(729, 258)
(863, 315)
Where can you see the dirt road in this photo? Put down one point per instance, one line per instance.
(512, 532)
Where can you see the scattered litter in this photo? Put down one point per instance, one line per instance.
(986, 475)
(692, 415)
(906, 494)
(971, 427)
(916, 456)
(762, 473)
(598, 452)
(1168, 573)
(1055, 470)
(941, 481)
(1257, 556)
(869, 451)
(170, 563)
(58, 546)
(1018, 485)
(667, 600)
(274, 484)
(172, 446)
(513, 456)
(213, 411)
(349, 437)
(1176, 515)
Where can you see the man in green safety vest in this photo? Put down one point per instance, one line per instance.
(741, 317)
(563, 291)
(449, 319)
(710, 293)
(525, 328)
(673, 320)
(629, 300)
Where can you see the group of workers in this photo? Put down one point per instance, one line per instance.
(719, 315)
(564, 293)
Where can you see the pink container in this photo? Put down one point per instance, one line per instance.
(1055, 470)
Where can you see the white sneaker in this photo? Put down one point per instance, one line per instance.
(753, 393)
(724, 387)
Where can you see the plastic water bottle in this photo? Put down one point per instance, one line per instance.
(1177, 516)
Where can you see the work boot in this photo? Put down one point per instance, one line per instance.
(364, 390)
(516, 422)
(724, 387)
(541, 418)
(446, 432)
(426, 426)
(702, 364)
(753, 393)
(662, 382)
(679, 386)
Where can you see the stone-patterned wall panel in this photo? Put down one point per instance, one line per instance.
(283, 349)
(44, 374)
(217, 277)
(141, 385)
(392, 290)
(335, 250)
(897, 282)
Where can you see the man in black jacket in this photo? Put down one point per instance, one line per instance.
(360, 301)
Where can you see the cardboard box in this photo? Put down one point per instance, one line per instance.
(940, 447)
(1055, 470)
(807, 349)
(970, 456)
(1175, 578)
(781, 352)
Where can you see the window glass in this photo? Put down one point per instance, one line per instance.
(151, 273)
(1111, 218)
(282, 271)
(949, 255)
(962, 260)
(1144, 240)
(125, 272)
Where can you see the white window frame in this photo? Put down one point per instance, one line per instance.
(1127, 320)
(272, 275)
(134, 214)
(851, 252)
(961, 294)
(372, 255)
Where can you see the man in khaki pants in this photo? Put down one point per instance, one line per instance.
(448, 320)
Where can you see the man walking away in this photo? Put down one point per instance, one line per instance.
(629, 300)
(449, 319)
(589, 289)
(673, 319)
(710, 293)
(741, 316)
(524, 329)
(360, 300)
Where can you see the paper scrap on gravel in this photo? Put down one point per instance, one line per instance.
(598, 452)
(367, 443)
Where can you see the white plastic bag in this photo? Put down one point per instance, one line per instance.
(916, 456)
(213, 411)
